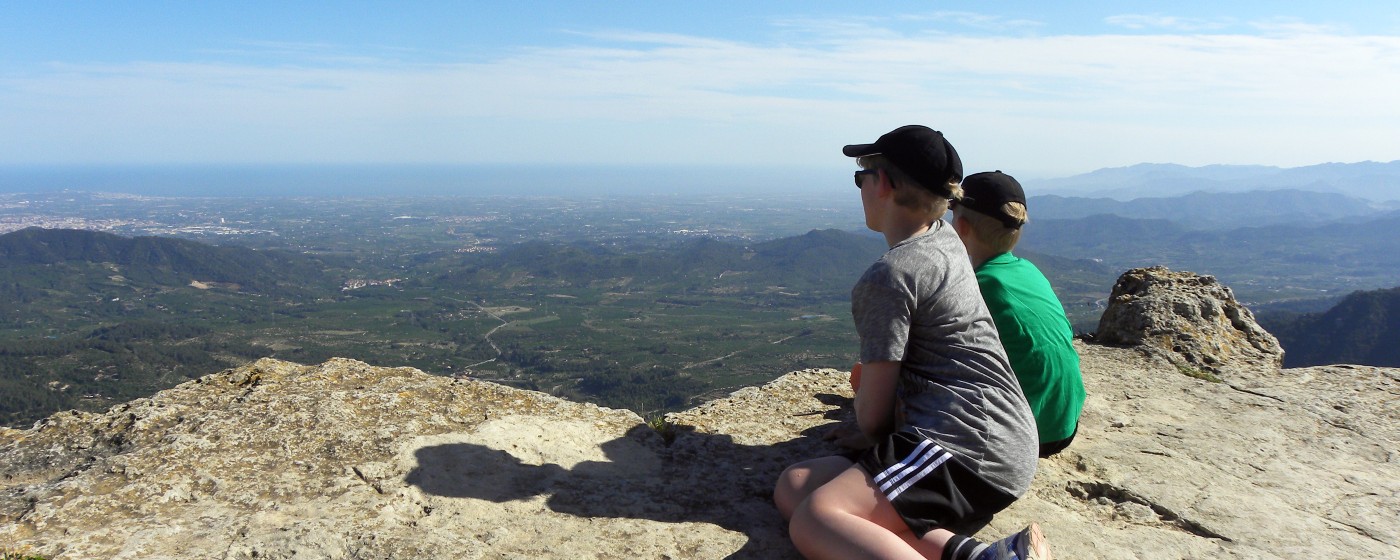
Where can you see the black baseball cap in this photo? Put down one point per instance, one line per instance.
(987, 192)
(920, 152)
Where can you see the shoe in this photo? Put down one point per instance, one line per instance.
(1029, 544)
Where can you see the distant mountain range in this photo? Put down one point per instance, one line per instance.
(1364, 253)
(1373, 181)
(1214, 210)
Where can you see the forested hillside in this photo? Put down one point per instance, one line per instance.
(1364, 328)
(91, 317)
(36, 257)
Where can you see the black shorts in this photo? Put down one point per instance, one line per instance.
(929, 487)
(1050, 448)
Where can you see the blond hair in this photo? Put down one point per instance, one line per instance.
(915, 195)
(992, 231)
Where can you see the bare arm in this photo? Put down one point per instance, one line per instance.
(875, 401)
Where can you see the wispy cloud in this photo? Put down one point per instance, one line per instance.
(1292, 26)
(298, 53)
(1058, 103)
(1168, 23)
(977, 20)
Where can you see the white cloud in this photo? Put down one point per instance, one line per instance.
(1053, 104)
(1292, 26)
(982, 21)
(1165, 22)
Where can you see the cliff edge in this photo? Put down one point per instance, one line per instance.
(348, 460)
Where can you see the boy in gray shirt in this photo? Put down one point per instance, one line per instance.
(952, 438)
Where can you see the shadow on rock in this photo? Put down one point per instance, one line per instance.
(697, 477)
(464, 470)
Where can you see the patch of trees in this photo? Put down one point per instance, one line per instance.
(656, 389)
(1361, 329)
(41, 375)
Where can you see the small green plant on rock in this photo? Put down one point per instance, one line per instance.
(7, 553)
(660, 425)
(1197, 373)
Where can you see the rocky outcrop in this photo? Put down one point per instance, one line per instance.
(348, 460)
(1188, 319)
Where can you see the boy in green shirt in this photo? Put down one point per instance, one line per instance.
(1028, 316)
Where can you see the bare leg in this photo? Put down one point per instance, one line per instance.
(801, 479)
(848, 517)
(931, 546)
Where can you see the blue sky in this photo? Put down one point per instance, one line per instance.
(1037, 87)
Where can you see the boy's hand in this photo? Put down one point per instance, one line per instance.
(876, 402)
(849, 437)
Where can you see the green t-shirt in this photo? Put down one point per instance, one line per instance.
(1038, 341)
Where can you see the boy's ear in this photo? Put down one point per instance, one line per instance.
(886, 182)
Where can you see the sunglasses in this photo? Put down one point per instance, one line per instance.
(865, 172)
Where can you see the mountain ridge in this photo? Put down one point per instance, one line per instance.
(1364, 252)
(1375, 181)
(1361, 328)
(1214, 210)
(161, 260)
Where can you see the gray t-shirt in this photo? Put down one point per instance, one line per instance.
(920, 305)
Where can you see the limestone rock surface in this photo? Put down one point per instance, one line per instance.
(1188, 319)
(345, 460)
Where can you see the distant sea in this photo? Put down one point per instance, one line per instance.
(420, 180)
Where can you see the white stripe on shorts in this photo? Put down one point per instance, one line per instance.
(900, 476)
